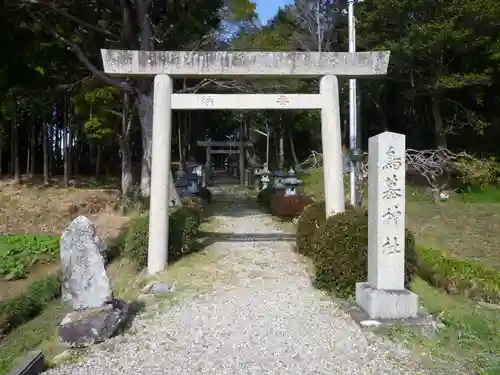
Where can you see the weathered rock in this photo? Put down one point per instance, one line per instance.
(85, 283)
(162, 288)
(90, 326)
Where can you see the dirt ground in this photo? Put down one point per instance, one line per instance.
(35, 209)
(31, 208)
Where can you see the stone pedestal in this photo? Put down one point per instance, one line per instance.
(386, 304)
(384, 295)
(91, 326)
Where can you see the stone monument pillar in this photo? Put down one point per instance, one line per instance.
(384, 295)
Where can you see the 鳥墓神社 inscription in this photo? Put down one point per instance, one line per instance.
(391, 245)
(393, 162)
(392, 215)
(391, 188)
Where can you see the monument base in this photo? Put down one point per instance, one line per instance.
(94, 325)
(386, 304)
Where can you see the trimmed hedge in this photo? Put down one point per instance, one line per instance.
(310, 220)
(288, 207)
(458, 276)
(20, 309)
(451, 274)
(205, 195)
(183, 229)
(264, 196)
(340, 252)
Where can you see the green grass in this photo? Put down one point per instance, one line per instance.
(470, 340)
(19, 253)
(492, 195)
(466, 226)
(38, 332)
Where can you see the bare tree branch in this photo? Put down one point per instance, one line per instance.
(77, 20)
(433, 165)
(81, 56)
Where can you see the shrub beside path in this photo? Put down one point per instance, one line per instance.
(266, 318)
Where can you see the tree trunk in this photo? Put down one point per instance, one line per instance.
(65, 145)
(28, 153)
(281, 152)
(145, 107)
(179, 137)
(15, 150)
(33, 147)
(50, 150)
(127, 178)
(187, 137)
(70, 153)
(98, 161)
(12, 154)
(57, 149)
(292, 151)
(45, 153)
(77, 155)
(438, 121)
(1, 159)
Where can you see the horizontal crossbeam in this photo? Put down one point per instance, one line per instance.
(236, 63)
(225, 152)
(223, 143)
(246, 101)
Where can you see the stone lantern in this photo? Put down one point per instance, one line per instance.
(291, 182)
(180, 182)
(265, 180)
(193, 181)
(278, 176)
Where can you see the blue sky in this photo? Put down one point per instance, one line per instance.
(268, 8)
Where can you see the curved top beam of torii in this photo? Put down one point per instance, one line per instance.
(236, 63)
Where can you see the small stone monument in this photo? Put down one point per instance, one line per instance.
(86, 287)
(384, 295)
(85, 283)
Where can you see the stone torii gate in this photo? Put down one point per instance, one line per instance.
(235, 147)
(167, 65)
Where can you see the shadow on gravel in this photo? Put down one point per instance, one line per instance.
(135, 308)
(208, 238)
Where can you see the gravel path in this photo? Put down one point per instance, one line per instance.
(267, 319)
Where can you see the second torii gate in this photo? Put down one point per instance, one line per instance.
(235, 147)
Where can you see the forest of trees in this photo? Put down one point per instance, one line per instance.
(60, 115)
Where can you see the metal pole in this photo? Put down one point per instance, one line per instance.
(353, 142)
